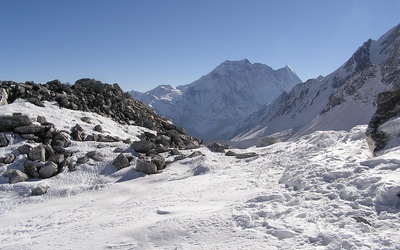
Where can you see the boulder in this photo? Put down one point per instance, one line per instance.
(142, 146)
(31, 129)
(9, 158)
(16, 176)
(57, 159)
(217, 147)
(82, 160)
(9, 123)
(48, 170)
(94, 155)
(61, 139)
(194, 154)
(32, 168)
(246, 155)
(121, 162)
(145, 167)
(159, 161)
(98, 128)
(41, 119)
(175, 151)
(37, 153)
(192, 145)
(39, 190)
(3, 140)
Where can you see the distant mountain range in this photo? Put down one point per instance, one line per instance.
(222, 98)
(244, 102)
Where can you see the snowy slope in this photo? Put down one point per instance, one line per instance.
(221, 98)
(320, 191)
(341, 100)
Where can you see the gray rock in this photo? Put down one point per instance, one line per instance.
(9, 158)
(159, 161)
(17, 176)
(61, 139)
(32, 168)
(30, 129)
(175, 151)
(25, 149)
(217, 147)
(37, 153)
(86, 119)
(3, 97)
(9, 123)
(121, 162)
(38, 190)
(57, 159)
(230, 153)
(142, 146)
(146, 167)
(246, 155)
(48, 170)
(192, 145)
(98, 128)
(194, 154)
(3, 140)
(82, 160)
(162, 149)
(94, 155)
(41, 119)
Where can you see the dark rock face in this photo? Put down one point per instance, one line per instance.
(121, 162)
(145, 167)
(3, 140)
(9, 123)
(388, 106)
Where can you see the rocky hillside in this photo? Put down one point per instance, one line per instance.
(221, 98)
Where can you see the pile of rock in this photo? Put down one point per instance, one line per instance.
(104, 99)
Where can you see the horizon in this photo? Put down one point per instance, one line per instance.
(141, 45)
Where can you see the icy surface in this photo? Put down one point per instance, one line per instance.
(320, 191)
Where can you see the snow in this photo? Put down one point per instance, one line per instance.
(321, 191)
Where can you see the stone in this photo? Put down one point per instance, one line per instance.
(37, 153)
(57, 159)
(175, 151)
(246, 155)
(31, 129)
(8, 158)
(32, 168)
(121, 162)
(39, 190)
(3, 140)
(86, 119)
(230, 153)
(194, 154)
(119, 150)
(98, 128)
(162, 149)
(9, 123)
(159, 161)
(192, 145)
(217, 147)
(142, 146)
(61, 139)
(146, 167)
(48, 170)
(94, 155)
(41, 119)
(3, 97)
(16, 176)
(82, 160)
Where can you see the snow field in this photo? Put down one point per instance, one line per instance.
(320, 191)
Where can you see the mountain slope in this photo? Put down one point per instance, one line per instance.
(339, 101)
(221, 98)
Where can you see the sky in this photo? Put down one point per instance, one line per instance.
(143, 44)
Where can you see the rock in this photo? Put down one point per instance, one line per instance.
(230, 153)
(39, 190)
(217, 147)
(41, 119)
(3, 97)
(194, 154)
(175, 137)
(162, 149)
(3, 140)
(175, 151)
(146, 167)
(94, 155)
(48, 170)
(121, 162)
(179, 157)
(101, 145)
(192, 145)
(57, 159)
(31, 129)
(37, 153)
(82, 160)
(98, 128)
(9, 158)
(16, 176)
(35, 101)
(32, 168)
(77, 135)
(31, 137)
(9, 123)
(246, 155)
(119, 150)
(86, 119)
(142, 146)
(61, 139)
(159, 161)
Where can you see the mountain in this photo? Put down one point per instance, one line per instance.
(339, 101)
(221, 98)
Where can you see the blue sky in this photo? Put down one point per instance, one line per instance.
(142, 44)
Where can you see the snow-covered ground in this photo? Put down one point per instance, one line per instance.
(321, 191)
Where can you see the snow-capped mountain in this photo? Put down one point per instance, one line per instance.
(339, 101)
(221, 98)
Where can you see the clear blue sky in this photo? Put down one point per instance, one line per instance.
(142, 44)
